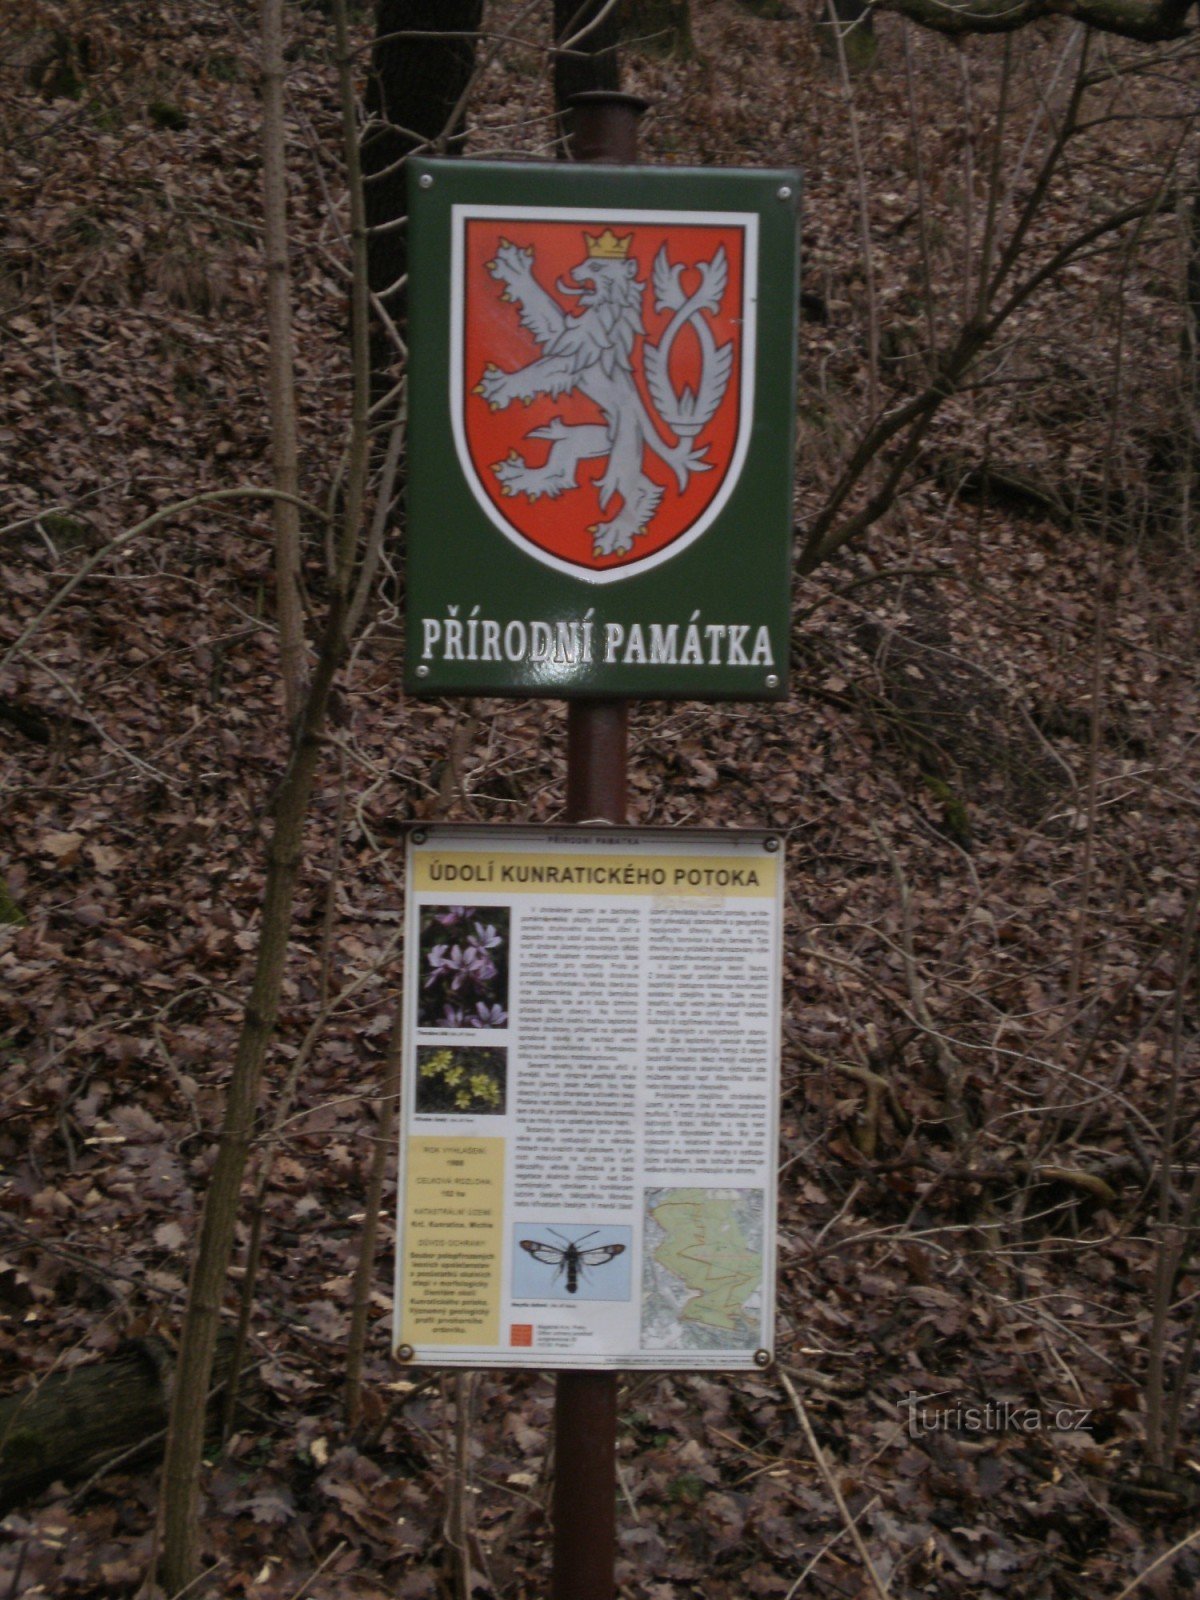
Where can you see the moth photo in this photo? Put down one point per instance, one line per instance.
(556, 1262)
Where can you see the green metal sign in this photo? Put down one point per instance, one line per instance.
(601, 402)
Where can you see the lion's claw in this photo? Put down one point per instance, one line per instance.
(510, 263)
(494, 386)
(517, 477)
(610, 540)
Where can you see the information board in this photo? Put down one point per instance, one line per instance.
(601, 402)
(589, 1118)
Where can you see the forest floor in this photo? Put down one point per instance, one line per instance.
(986, 772)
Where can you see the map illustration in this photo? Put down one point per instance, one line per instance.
(703, 1269)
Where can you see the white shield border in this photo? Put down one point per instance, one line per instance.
(746, 220)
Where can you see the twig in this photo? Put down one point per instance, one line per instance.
(589, 26)
(105, 1277)
(111, 1463)
(816, 1560)
(383, 506)
(951, 1068)
(452, 779)
(187, 1588)
(317, 1571)
(623, 1480)
(211, 498)
(359, 444)
(1158, 1562)
(331, 887)
(1171, 1251)
(14, 1588)
(915, 142)
(102, 733)
(987, 248)
(864, 216)
(458, 1514)
(823, 1468)
(877, 1089)
(360, 1295)
(968, 182)
(270, 1145)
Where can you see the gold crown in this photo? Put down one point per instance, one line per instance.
(606, 246)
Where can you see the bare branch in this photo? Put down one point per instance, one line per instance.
(281, 385)
(212, 498)
(1147, 20)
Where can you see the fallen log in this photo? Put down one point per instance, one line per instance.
(77, 1424)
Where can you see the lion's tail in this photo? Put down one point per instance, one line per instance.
(686, 459)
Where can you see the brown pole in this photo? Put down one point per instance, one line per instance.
(604, 128)
(585, 1405)
(596, 739)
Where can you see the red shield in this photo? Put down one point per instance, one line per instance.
(602, 377)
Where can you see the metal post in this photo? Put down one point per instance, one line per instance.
(596, 740)
(604, 128)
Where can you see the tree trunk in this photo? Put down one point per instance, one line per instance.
(180, 1492)
(281, 387)
(413, 98)
(75, 1424)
